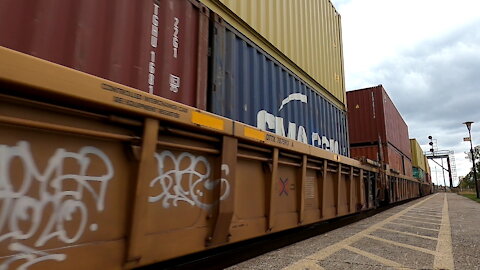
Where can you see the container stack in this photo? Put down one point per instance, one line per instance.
(283, 72)
(418, 161)
(275, 65)
(304, 36)
(377, 131)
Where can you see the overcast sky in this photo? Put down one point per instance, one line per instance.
(426, 54)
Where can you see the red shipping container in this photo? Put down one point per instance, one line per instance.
(372, 116)
(157, 46)
(391, 156)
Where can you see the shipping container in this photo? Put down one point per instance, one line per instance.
(419, 173)
(391, 156)
(98, 175)
(418, 158)
(249, 86)
(372, 117)
(157, 46)
(305, 36)
(428, 173)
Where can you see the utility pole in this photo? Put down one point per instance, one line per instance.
(469, 127)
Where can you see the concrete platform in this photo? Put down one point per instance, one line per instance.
(441, 231)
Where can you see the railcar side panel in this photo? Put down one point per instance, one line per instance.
(120, 178)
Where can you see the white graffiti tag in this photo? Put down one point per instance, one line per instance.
(31, 256)
(186, 179)
(51, 198)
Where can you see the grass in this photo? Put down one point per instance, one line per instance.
(471, 196)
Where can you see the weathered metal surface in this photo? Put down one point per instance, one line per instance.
(78, 87)
(372, 116)
(390, 155)
(401, 189)
(304, 36)
(160, 47)
(418, 158)
(250, 86)
(428, 173)
(61, 192)
(419, 173)
(88, 182)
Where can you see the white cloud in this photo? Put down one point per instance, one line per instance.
(427, 55)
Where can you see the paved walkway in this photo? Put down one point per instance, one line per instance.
(441, 231)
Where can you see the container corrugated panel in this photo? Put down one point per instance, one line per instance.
(370, 152)
(372, 116)
(307, 33)
(249, 86)
(427, 166)
(156, 46)
(418, 159)
(408, 166)
(428, 173)
(391, 156)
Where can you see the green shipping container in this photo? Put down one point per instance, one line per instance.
(419, 173)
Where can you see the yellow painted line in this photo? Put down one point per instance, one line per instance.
(429, 209)
(254, 133)
(423, 218)
(427, 215)
(328, 251)
(437, 210)
(424, 250)
(444, 258)
(311, 265)
(410, 234)
(374, 257)
(418, 221)
(413, 226)
(207, 120)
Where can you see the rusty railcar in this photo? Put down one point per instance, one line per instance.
(97, 175)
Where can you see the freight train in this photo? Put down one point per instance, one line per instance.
(134, 133)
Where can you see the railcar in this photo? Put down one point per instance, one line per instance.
(98, 175)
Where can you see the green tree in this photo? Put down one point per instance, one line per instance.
(467, 181)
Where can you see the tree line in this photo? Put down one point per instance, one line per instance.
(467, 181)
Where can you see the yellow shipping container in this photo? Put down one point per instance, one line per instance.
(418, 159)
(427, 169)
(304, 35)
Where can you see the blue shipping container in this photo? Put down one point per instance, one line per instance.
(248, 85)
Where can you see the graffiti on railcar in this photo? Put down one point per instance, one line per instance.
(30, 255)
(186, 178)
(41, 197)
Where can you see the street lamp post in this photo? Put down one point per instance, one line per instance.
(469, 127)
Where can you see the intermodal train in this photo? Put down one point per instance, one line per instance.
(137, 132)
